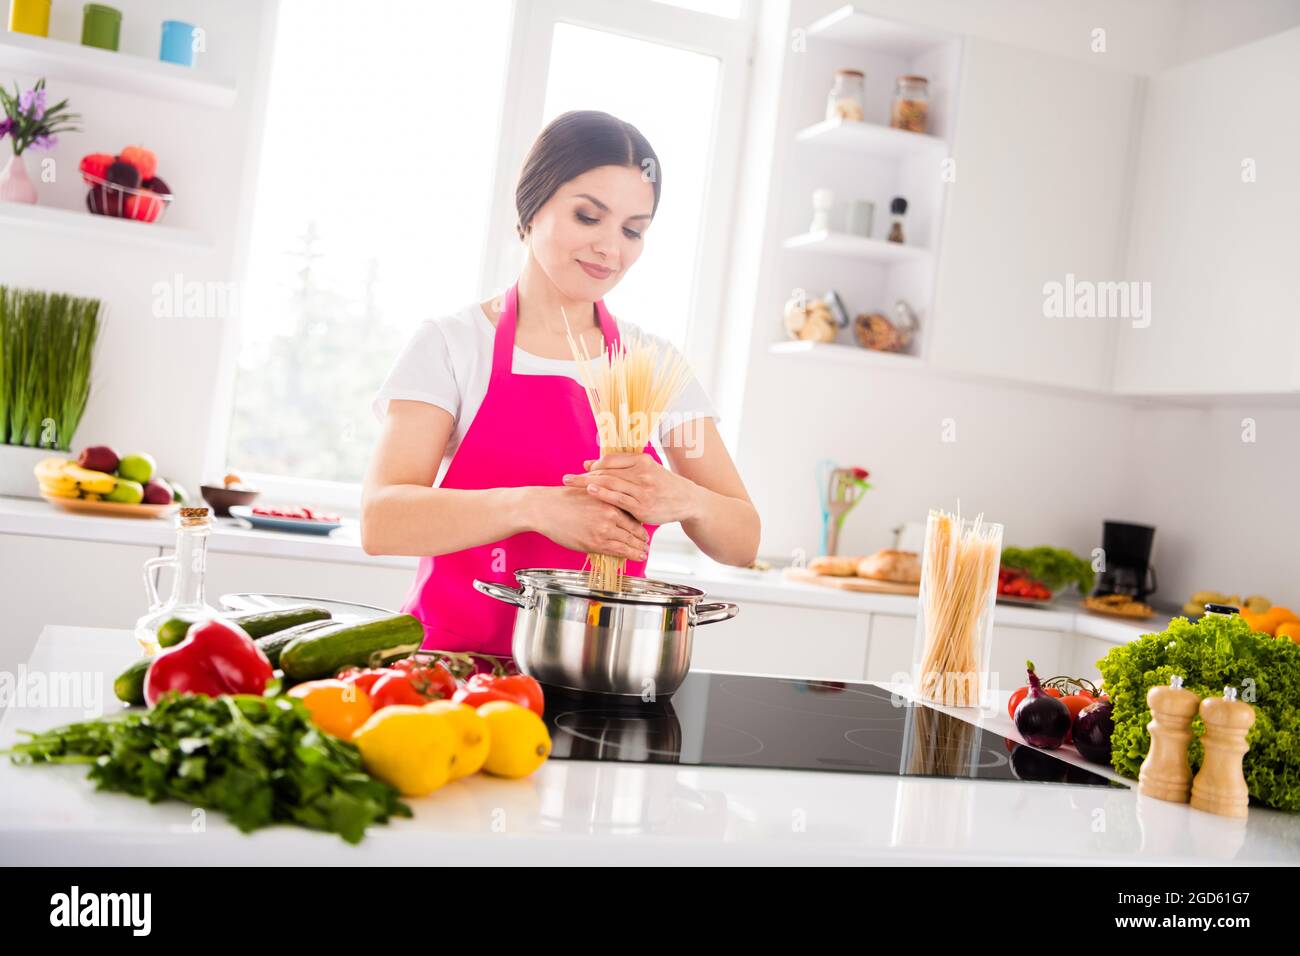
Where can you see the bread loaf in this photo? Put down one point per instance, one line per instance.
(888, 564)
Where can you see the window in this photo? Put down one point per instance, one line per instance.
(375, 174)
(384, 193)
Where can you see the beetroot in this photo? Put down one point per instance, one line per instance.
(1041, 719)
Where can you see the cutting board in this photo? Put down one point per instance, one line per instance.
(870, 585)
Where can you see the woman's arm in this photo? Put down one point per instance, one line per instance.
(402, 514)
(703, 491)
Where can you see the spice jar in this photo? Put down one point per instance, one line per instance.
(911, 104)
(897, 209)
(846, 96)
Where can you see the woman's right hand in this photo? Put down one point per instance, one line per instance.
(575, 519)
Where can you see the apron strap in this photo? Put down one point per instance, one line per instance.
(503, 342)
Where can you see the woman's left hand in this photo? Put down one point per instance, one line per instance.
(640, 486)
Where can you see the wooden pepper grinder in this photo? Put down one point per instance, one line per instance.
(1220, 785)
(1165, 773)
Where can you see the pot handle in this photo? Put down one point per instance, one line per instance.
(712, 613)
(501, 592)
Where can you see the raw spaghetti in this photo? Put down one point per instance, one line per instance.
(628, 393)
(959, 575)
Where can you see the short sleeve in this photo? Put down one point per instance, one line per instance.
(692, 402)
(422, 373)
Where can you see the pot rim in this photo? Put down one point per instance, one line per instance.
(642, 590)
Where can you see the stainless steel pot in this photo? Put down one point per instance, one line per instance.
(634, 642)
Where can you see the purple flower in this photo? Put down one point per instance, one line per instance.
(6, 125)
(45, 142)
(32, 102)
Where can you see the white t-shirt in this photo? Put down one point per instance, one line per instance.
(448, 362)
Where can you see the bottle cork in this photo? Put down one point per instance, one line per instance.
(1165, 773)
(1220, 785)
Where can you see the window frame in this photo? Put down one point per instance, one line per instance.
(520, 119)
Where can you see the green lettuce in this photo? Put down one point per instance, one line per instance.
(1219, 651)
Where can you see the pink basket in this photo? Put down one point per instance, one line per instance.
(124, 202)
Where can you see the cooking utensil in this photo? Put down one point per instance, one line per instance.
(634, 642)
(842, 489)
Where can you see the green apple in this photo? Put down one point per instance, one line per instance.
(139, 467)
(126, 492)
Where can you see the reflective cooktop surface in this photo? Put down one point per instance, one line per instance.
(783, 723)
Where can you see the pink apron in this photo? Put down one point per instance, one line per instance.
(530, 430)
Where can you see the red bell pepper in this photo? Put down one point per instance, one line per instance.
(216, 657)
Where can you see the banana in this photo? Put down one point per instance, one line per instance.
(64, 478)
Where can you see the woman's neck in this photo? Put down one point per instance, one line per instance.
(540, 304)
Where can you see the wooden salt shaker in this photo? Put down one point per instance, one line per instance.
(1165, 773)
(1220, 785)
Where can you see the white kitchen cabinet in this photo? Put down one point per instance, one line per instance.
(1013, 646)
(337, 580)
(1041, 151)
(785, 640)
(890, 652)
(1084, 652)
(1214, 227)
(65, 581)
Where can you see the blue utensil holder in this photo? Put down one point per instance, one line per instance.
(177, 43)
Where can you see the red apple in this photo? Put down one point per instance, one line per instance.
(99, 458)
(157, 492)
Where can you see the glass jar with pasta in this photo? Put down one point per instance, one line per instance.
(845, 99)
(911, 108)
(954, 625)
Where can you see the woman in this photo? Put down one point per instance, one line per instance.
(488, 460)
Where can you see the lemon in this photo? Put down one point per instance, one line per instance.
(408, 748)
(470, 731)
(519, 743)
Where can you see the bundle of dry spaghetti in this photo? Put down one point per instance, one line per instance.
(629, 392)
(959, 574)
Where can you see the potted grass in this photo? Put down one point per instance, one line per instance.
(47, 343)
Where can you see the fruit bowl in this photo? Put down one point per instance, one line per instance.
(118, 509)
(222, 499)
(124, 202)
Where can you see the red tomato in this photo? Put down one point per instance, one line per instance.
(527, 690)
(1017, 696)
(431, 679)
(395, 688)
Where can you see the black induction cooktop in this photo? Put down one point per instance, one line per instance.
(729, 720)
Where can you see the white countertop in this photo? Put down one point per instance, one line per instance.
(582, 812)
(230, 535)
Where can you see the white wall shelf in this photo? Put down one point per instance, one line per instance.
(871, 138)
(858, 247)
(73, 63)
(84, 225)
(870, 32)
(846, 354)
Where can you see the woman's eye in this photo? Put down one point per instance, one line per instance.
(586, 219)
(631, 233)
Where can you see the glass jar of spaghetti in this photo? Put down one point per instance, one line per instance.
(846, 97)
(954, 625)
(911, 107)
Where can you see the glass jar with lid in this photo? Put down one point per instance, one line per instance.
(846, 96)
(911, 106)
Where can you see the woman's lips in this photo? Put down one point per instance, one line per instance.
(596, 272)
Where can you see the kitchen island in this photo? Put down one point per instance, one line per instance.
(600, 812)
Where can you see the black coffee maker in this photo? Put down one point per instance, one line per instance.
(1127, 549)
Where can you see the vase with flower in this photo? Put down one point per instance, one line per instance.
(29, 124)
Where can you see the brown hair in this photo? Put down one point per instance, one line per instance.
(573, 143)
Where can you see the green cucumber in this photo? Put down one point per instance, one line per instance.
(129, 686)
(256, 624)
(272, 644)
(324, 653)
(261, 623)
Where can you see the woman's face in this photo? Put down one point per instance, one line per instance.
(588, 234)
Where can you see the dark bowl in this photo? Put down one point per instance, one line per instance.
(221, 499)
